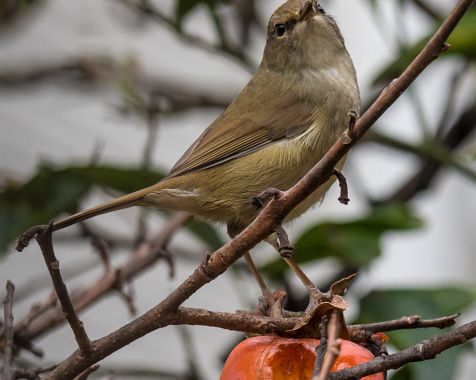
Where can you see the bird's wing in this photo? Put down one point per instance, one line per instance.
(248, 124)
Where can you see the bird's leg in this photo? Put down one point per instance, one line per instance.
(269, 300)
(284, 247)
(257, 275)
(270, 303)
(285, 250)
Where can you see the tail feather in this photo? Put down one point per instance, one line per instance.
(129, 200)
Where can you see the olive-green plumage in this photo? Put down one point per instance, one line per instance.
(279, 126)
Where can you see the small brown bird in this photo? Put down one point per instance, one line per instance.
(279, 127)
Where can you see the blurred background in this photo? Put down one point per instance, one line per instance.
(103, 97)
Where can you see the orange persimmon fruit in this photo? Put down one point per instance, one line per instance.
(276, 358)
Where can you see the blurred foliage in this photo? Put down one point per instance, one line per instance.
(462, 44)
(380, 305)
(53, 191)
(12, 10)
(355, 242)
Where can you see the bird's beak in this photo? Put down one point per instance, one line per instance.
(308, 11)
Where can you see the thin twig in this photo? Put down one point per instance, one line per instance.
(143, 257)
(146, 8)
(321, 349)
(101, 248)
(178, 96)
(333, 346)
(410, 322)
(422, 179)
(264, 224)
(8, 370)
(425, 350)
(434, 154)
(32, 373)
(86, 373)
(429, 10)
(344, 189)
(152, 112)
(455, 83)
(126, 295)
(46, 244)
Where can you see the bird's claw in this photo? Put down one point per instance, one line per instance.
(259, 200)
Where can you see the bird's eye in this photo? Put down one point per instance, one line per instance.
(320, 9)
(280, 29)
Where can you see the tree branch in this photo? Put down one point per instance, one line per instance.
(429, 10)
(95, 69)
(144, 256)
(360, 333)
(333, 346)
(145, 7)
(46, 244)
(425, 350)
(423, 178)
(8, 371)
(271, 215)
(410, 322)
(240, 321)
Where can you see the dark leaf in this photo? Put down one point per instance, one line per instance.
(381, 305)
(52, 191)
(432, 303)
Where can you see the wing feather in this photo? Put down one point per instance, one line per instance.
(248, 124)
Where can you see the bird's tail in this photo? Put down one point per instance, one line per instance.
(129, 200)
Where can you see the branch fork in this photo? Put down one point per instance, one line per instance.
(162, 314)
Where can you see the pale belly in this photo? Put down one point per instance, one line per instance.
(224, 193)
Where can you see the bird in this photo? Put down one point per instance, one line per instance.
(279, 126)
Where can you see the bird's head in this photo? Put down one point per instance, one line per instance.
(302, 35)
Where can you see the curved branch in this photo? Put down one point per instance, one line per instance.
(271, 215)
(49, 316)
(425, 350)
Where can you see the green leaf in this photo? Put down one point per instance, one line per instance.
(461, 44)
(52, 191)
(406, 373)
(384, 305)
(381, 305)
(356, 242)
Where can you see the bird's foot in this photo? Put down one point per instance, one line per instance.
(271, 303)
(259, 200)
